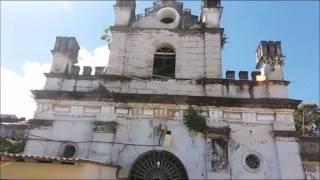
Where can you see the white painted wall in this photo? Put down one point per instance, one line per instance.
(137, 124)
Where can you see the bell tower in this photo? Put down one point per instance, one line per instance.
(125, 12)
(270, 59)
(211, 13)
(65, 55)
(167, 41)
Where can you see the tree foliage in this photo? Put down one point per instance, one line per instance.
(311, 116)
(12, 145)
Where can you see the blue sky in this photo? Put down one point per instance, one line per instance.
(28, 31)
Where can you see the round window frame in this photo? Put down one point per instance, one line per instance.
(64, 145)
(162, 14)
(258, 155)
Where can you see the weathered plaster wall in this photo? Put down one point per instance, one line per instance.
(139, 124)
(132, 53)
(172, 87)
(289, 158)
(256, 139)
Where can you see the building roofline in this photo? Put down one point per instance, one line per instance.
(49, 159)
(169, 99)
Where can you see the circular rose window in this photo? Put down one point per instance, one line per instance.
(168, 16)
(253, 161)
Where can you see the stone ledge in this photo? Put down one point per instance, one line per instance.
(70, 76)
(202, 81)
(169, 99)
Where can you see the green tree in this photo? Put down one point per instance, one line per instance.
(307, 119)
(12, 145)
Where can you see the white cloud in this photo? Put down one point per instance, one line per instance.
(15, 89)
(99, 57)
(16, 97)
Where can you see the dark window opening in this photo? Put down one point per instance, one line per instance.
(167, 20)
(219, 155)
(164, 62)
(69, 151)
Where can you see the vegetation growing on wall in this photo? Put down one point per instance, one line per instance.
(195, 121)
(224, 40)
(12, 145)
(100, 91)
(106, 36)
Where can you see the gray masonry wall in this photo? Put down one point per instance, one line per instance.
(197, 54)
(226, 88)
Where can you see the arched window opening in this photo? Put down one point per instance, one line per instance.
(69, 151)
(157, 165)
(164, 62)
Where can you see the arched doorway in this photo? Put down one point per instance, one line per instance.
(157, 165)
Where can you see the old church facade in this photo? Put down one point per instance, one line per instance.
(131, 112)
